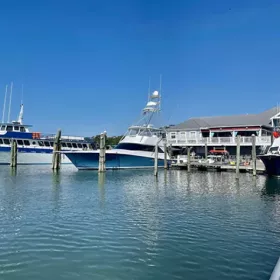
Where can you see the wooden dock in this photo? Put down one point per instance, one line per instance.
(219, 167)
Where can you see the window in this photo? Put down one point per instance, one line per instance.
(47, 144)
(69, 145)
(16, 128)
(1, 141)
(9, 128)
(41, 144)
(22, 129)
(26, 142)
(63, 144)
(34, 143)
(7, 141)
(79, 145)
(85, 146)
(20, 142)
(74, 145)
(51, 144)
(138, 147)
(173, 135)
(3, 127)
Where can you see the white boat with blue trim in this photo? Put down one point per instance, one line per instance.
(33, 147)
(135, 150)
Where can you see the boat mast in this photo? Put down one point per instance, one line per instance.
(4, 105)
(11, 93)
(20, 116)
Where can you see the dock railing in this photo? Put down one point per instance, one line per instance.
(219, 141)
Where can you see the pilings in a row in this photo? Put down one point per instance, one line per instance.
(102, 153)
(14, 151)
(56, 159)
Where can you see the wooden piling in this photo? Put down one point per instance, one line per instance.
(56, 160)
(189, 159)
(102, 153)
(237, 156)
(14, 150)
(254, 155)
(165, 155)
(156, 160)
(206, 150)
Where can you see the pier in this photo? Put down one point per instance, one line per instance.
(260, 169)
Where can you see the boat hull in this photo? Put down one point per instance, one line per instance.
(31, 158)
(90, 161)
(272, 164)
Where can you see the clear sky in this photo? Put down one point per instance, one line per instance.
(85, 64)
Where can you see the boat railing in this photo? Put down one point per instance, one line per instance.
(63, 137)
(244, 140)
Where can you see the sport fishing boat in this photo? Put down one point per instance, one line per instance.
(33, 147)
(271, 159)
(135, 150)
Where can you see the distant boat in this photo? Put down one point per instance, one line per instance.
(33, 147)
(135, 150)
(271, 159)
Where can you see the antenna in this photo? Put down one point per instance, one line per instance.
(11, 93)
(4, 106)
(160, 82)
(22, 94)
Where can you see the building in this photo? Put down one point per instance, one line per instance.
(222, 131)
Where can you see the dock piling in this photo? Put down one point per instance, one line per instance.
(206, 150)
(14, 150)
(56, 160)
(156, 160)
(254, 155)
(189, 159)
(165, 155)
(102, 153)
(237, 156)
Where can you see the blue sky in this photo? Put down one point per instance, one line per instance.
(85, 65)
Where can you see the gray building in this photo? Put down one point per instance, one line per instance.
(221, 132)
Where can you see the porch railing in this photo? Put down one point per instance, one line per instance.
(222, 141)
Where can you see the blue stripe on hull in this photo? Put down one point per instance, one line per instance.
(27, 150)
(272, 164)
(113, 161)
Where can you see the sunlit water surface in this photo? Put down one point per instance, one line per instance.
(127, 225)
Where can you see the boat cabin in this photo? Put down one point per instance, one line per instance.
(14, 127)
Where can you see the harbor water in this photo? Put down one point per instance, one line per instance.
(128, 225)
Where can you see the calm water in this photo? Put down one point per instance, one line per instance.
(125, 225)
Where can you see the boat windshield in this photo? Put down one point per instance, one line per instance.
(273, 149)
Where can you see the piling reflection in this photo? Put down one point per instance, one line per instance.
(101, 187)
(271, 186)
(56, 190)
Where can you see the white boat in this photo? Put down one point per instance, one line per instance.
(33, 147)
(135, 150)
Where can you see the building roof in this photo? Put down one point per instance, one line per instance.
(261, 119)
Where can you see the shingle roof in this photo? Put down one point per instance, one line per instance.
(222, 121)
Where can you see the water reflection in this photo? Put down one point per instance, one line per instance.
(101, 187)
(56, 190)
(271, 186)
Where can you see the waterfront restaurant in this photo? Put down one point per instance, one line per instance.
(220, 132)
